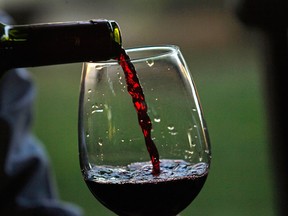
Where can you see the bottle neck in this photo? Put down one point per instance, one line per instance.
(58, 43)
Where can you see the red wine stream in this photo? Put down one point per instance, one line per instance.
(135, 90)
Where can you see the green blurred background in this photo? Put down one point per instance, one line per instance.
(225, 60)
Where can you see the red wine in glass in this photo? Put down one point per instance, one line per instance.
(133, 191)
(124, 181)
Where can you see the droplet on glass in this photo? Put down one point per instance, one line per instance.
(97, 111)
(100, 142)
(170, 127)
(189, 152)
(89, 91)
(150, 62)
(157, 119)
(97, 108)
(173, 133)
(102, 156)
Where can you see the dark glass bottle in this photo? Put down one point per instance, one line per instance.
(57, 43)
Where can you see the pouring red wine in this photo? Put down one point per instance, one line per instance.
(163, 186)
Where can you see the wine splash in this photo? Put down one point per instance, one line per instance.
(135, 90)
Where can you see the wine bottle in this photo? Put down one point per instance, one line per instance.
(58, 43)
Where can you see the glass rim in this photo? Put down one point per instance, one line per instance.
(160, 52)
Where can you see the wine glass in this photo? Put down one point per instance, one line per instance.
(114, 159)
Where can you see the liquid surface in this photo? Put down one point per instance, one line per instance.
(134, 191)
(140, 172)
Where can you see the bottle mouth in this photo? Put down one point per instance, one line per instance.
(115, 31)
